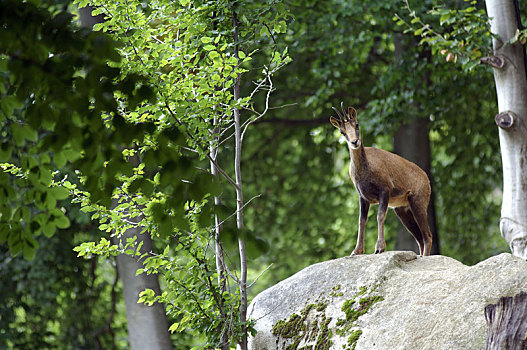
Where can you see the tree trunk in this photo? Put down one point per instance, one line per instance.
(218, 247)
(147, 325)
(412, 142)
(86, 18)
(239, 195)
(507, 323)
(511, 87)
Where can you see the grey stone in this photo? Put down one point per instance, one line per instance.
(431, 302)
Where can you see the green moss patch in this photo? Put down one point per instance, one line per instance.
(310, 328)
(353, 309)
(296, 331)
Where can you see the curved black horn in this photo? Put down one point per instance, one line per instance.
(340, 115)
(346, 116)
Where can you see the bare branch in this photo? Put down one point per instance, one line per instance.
(222, 172)
(295, 122)
(260, 84)
(240, 209)
(260, 275)
(234, 278)
(264, 111)
(284, 106)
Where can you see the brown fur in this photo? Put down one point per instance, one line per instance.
(389, 180)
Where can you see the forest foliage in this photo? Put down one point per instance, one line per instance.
(110, 129)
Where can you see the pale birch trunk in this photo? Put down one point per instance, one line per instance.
(239, 194)
(511, 87)
(218, 248)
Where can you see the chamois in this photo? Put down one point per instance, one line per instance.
(389, 180)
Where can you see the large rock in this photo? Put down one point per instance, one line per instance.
(393, 300)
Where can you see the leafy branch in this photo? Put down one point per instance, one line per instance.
(464, 36)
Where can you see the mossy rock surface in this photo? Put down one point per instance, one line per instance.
(394, 300)
(313, 329)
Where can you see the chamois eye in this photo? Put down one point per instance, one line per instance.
(357, 126)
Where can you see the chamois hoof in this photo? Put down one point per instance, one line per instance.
(357, 252)
(380, 246)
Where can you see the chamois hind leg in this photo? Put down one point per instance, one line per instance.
(407, 218)
(363, 218)
(419, 206)
(381, 215)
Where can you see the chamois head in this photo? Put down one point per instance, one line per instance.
(348, 125)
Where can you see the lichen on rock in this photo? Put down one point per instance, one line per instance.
(353, 309)
(311, 328)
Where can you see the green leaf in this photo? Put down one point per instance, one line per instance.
(62, 221)
(280, 27)
(30, 133)
(8, 104)
(30, 248)
(44, 175)
(5, 152)
(59, 159)
(59, 193)
(444, 18)
(174, 327)
(4, 233)
(98, 26)
(71, 155)
(49, 229)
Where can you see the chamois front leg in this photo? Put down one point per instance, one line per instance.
(363, 218)
(381, 215)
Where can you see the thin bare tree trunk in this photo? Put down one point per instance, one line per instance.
(218, 247)
(220, 261)
(511, 87)
(213, 151)
(239, 192)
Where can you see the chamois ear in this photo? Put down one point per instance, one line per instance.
(335, 122)
(352, 113)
